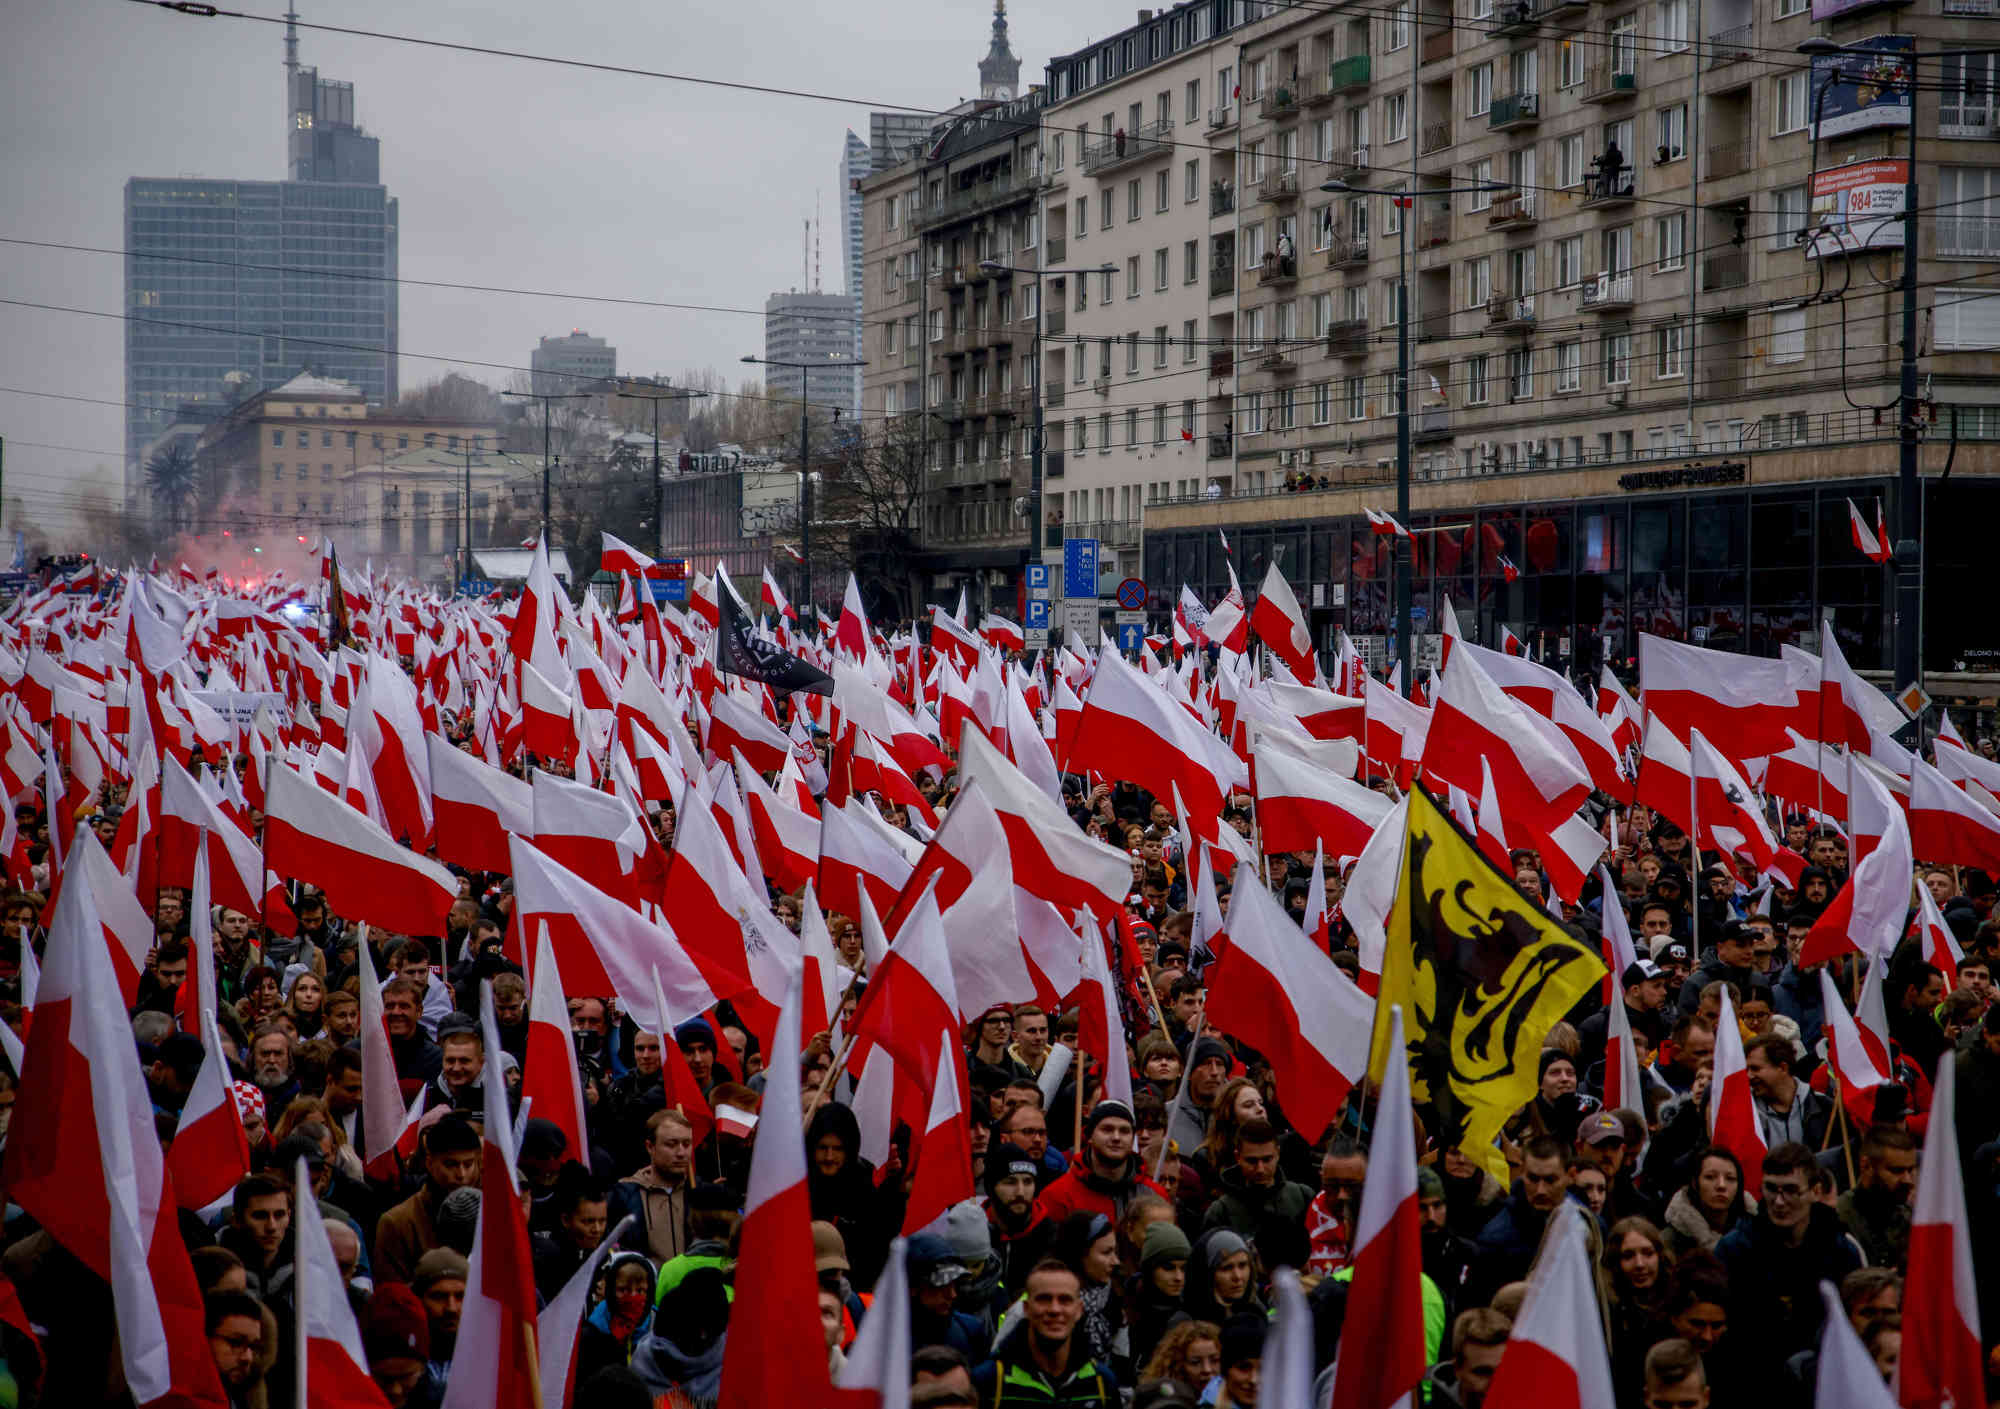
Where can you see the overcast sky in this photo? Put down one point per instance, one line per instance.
(509, 173)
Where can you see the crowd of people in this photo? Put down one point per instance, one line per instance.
(1115, 1254)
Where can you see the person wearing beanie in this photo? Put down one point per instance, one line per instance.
(439, 1282)
(1019, 1232)
(1209, 1062)
(1242, 1362)
(1105, 1174)
(1156, 1294)
(396, 1338)
(1222, 1278)
(1448, 1255)
(968, 1238)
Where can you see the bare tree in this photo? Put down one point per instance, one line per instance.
(452, 397)
(869, 510)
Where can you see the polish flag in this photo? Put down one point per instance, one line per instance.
(1556, 1357)
(603, 945)
(1871, 543)
(546, 710)
(83, 1161)
(1732, 1112)
(1384, 524)
(1666, 775)
(499, 1312)
(363, 872)
(1964, 769)
(734, 727)
(1551, 698)
(1315, 922)
(188, 818)
(1614, 939)
(1301, 806)
(620, 556)
(764, 1360)
(1384, 1335)
(1947, 733)
(1622, 1087)
(1538, 772)
(786, 839)
(1492, 826)
(872, 770)
(477, 807)
(1228, 623)
(333, 1372)
(1131, 730)
(387, 1130)
(678, 1086)
(1744, 699)
(1867, 915)
(549, 1075)
(951, 637)
(1859, 1058)
(562, 1319)
(876, 1374)
(910, 1007)
(1935, 941)
(1321, 713)
(1729, 814)
(851, 634)
(703, 603)
(858, 850)
(1397, 728)
(1808, 775)
(1943, 1365)
(1052, 858)
(821, 1004)
(943, 1154)
(773, 596)
(1616, 709)
(596, 835)
(1947, 826)
(1100, 1030)
(1843, 711)
(1280, 623)
(1272, 989)
(538, 614)
(1002, 634)
(210, 1151)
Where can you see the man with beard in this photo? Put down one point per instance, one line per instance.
(657, 1194)
(1105, 1176)
(1448, 1256)
(1330, 1217)
(439, 1282)
(234, 1323)
(1021, 1235)
(271, 1066)
(160, 985)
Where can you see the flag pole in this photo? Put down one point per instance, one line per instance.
(1694, 851)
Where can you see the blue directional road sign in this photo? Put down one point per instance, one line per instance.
(1131, 636)
(1080, 567)
(1038, 614)
(474, 586)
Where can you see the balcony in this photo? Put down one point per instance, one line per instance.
(1053, 395)
(1057, 250)
(1222, 118)
(1514, 111)
(1277, 359)
(1603, 191)
(1118, 533)
(1433, 230)
(1435, 137)
(1608, 293)
(1347, 338)
(1728, 269)
(1971, 116)
(1723, 382)
(1052, 464)
(1221, 199)
(1277, 270)
(1430, 423)
(1279, 186)
(1510, 315)
(1610, 82)
(957, 343)
(1511, 210)
(1221, 362)
(1350, 164)
(1054, 320)
(1968, 7)
(1433, 327)
(1730, 46)
(1121, 149)
(1222, 281)
(1347, 252)
(1354, 71)
(950, 410)
(1218, 447)
(1281, 102)
(974, 200)
(1727, 159)
(1513, 16)
(1436, 46)
(1969, 236)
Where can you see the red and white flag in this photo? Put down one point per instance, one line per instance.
(942, 1154)
(1382, 1343)
(1539, 775)
(1100, 1030)
(1746, 700)
(1491, 833)
(387, 1129)
(1732, 1111)
(857, 851)
(333, 1371)
(210, 1152)
(1622, 1087)
(1556, 1357)
(363, 872)
(762, 1363)
(1058, 863)
(1300, 806)
(1873, 542)
(1935, 941)
(477, 807)
(910, 1006)
(1859, 1058)
(773, 596)
(1315, 922)
(549, 1075)
(1730, 816)
(1616, 708)
(1271, 988)
(620, 556)
(1131, 730)
(1947, 826)
(1942, 1364)
(876, 1374)
(1385, 524)
(786, 839)
(1280, 623)
(851, 633)
(1867, 915)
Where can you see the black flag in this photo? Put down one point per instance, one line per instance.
(739, 652)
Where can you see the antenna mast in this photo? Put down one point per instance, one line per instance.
(816, 233)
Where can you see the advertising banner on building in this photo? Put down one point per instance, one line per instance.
(1863, 90)
(1856, 207)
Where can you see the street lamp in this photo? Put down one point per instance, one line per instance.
(805, 369)
(659, 528)
(1405, 202)
(1037, 539)
(545, 397)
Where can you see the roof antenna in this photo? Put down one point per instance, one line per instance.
(816, 233)
(291, 45)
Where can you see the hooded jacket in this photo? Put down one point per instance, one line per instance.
(867, 1216)
(1082, 1191)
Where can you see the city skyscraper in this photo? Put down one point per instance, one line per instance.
(891, 139)
(571, 363)
(262, 278)
(817, 329)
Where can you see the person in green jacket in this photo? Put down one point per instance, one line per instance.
(1258, 1203)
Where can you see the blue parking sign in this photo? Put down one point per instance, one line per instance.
(1038, 578)
(1080, 568)
(1038, 614)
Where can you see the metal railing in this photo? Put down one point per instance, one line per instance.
(1347, 338)
(1279, 185)
(1120, 147)
(1729, 46)
(1222, 199)
(1058, 249)
(1347, 250)
(1431, 327)
(1221, 363)
(1974, 118)
(1975, 235)
(1354, 71)
(1122, 533)
(1222, 116)
(1727, 269)
(1221, 280)
(1503, 311)
(1218, 447)
(1609, 188)
(1054, 320)
(1608, 291)
(1608, 80)
(1281, 101)
(1052, 394)
(972, 200)
(1277, 269)
(1436, 137)
(1512, 208)
(1430, 423)
(1727, 159)
(1052, 464)
(1514, 110)
(1436, 45)
(1432, 230)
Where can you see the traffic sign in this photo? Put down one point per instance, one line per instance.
(1129, 618)
(1081, 617)
(474, 586)
(668, 589)
(1080, 567)
(1132, 594)
(1038, 614)
(1131, 636)
(1038, 579)
(1914, 699)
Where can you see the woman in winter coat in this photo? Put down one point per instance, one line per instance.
(1709, 1205)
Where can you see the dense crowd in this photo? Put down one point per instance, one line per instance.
(1118, 1251)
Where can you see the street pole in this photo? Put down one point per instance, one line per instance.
(659, 490)
(1037, 535)
(1402, 549)
(545, 397)
(1909, 492)
(805, 499)
(467, 572)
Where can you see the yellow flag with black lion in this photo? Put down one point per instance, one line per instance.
(1482, 973)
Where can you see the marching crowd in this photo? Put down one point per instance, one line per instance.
(1118, 1250)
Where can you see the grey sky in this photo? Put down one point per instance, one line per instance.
(523, 175)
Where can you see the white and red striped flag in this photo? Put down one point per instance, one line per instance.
(1556, 1357)
(1732, 1112)
(1942, 1364)
(333, 1371)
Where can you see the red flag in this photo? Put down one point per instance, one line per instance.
(1556, 1357)
(335, 1373)
(1536, 769)
(1052, 859)
(858, 849)
(1131, 730)
(477, 807)
(1870, 544)
(1300, 805)
(210, 1151)
(1943, 1364)
(942, 1154)
(1746, 700)
(1732, 1112)
(1948, 827)
(1280, 623)
(620, 556)
(549, 1075)
(786, 839)
(364, 874)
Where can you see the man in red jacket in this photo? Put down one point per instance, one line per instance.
(1105, 1175)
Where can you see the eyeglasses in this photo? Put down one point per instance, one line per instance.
(1789, 1192)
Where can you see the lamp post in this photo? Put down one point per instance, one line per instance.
(1909, 552)
(805, 370)
(1037, 539)
(473, 447)
(545, 397)
(659, 528)
(1406, 203)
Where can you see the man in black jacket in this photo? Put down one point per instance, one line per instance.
(1734, 961)
(1786, 1108)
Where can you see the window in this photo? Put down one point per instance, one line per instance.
(1399, 28)
(1160, 268)
(1253, 329)
(1479, 89)
(1482, 177)
(1160, 345)
(1569, 160)
(1288, 150)
(1569, 366)
(1257, 79)
(1625, 44)
(1082, 216)
(1284, 408)
(1355, 398)
(1322, 403)
(1396, 117)
(1520, 374)
(1967, 319)
(278, 439)
(1478, 281)
(1788, 8)
(1670, 128)
(1617, 359)
(1132, 284)
(1104, 295)
(1055, 151)
(1132, 199)
(1788, 335)
(1968, 201)
(1521, 272)
(1190, 261)
(305, 439)
(1188, 348)
(1792, 98)
(1667, 344)
(1191, 180)
(1159, 428)
(278, 471)
(1080, 433)
(1131, 431)
(1103, 445)
(1670, 237)
(1192, 104)
(1673, 25)
(1521, 69)
(1320, 314)
(1131, 354)
(1355, 303)
(1253, 245)
(1475, 379)
(1163, 186)
(1569, 64)
(1788, 204)
(1965, 104)
(1615, 250)
(1253, 162)
(1285, 322)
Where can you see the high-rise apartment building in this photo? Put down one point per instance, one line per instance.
(816, 330)
(262, 278)
(575, 362)
(892, 138)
